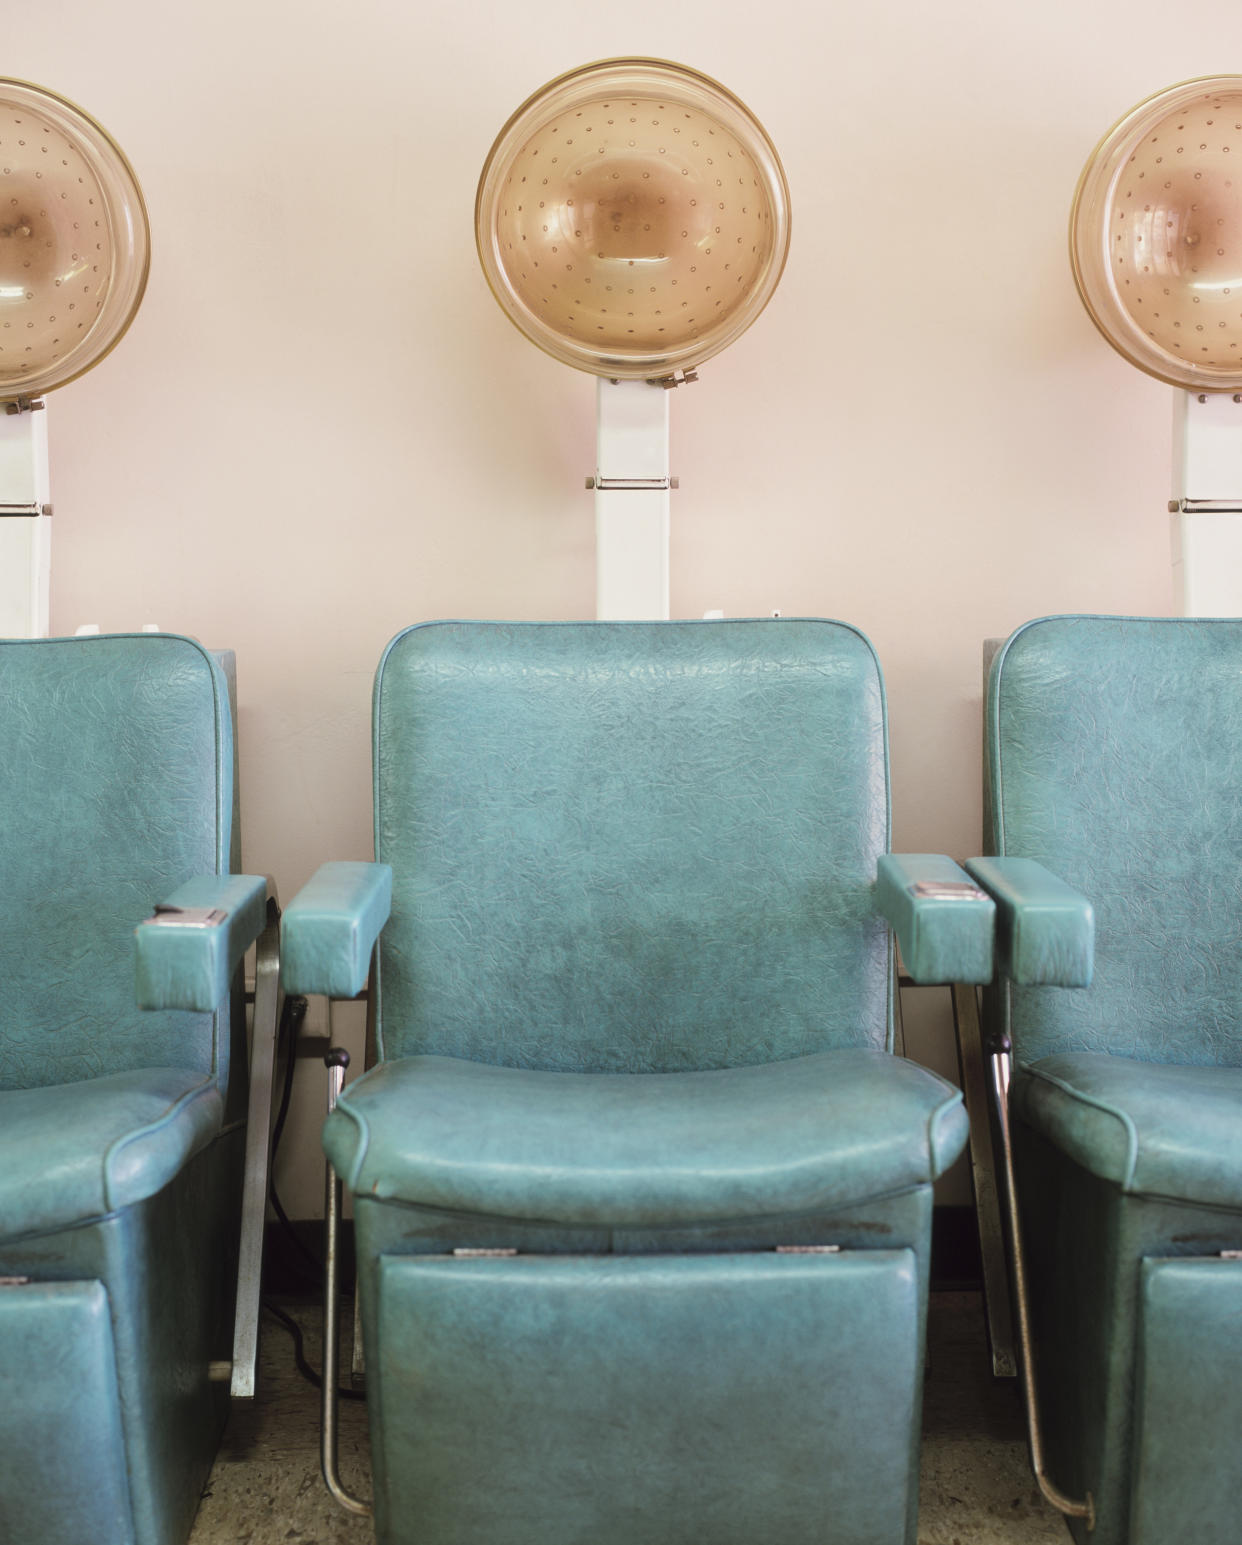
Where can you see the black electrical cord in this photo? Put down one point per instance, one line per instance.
(291, 1021)
(299, 1354)
(290, 1028)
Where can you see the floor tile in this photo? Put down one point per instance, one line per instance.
(976, 1486)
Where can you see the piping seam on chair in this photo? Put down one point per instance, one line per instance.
(203, 1090)
(1166, 1198)
(51, 1230)
(218, 1031)
(1127, 1123)
(214, 677)
(951, 1102)
(828, 1210)
(364, 1143)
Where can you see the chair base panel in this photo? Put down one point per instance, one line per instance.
(168, 1269)
(62, 1458)
(390, 1234)
(1188, 1443)
(551, 1400)
(1087, 1244)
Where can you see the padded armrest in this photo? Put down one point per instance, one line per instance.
(330, 927)
(188, 951)
(944, 923)
(1045, 930)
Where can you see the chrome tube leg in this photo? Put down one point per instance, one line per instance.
(269, 999)
(974, 1075)
(336, 1060)
(1001, 1062)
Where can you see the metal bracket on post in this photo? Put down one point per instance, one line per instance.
(1207, 503)
(24, 405)
(631, 486)
(678, 378)
(25, 537)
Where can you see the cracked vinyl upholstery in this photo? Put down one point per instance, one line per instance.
(108, 784)
(752, 848)
(1117, 742)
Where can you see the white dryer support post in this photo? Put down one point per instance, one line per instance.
(25, 523)
(631, 486)
(1207, 503)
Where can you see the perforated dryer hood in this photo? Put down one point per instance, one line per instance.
(1156, 235)
(632, 218)
(74, 241)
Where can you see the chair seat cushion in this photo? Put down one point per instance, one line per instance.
(73, 1152)
(627, 1149)
(1156, 1129)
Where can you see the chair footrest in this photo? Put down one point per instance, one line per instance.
(543, 1400)
(62, 1459)
(1188, 1451)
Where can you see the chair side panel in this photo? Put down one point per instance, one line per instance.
(1188, 1437)
(115, 787)
(62, 1459)
(631, 846)
(1115, 758)
(550, 1400)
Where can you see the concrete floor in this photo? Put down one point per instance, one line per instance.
(976, 1486)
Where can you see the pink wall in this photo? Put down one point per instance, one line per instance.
(321, 427)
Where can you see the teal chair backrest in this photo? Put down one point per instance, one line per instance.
(116, 774)
(631, 846)
(1114, 755)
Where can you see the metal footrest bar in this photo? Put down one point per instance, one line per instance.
(996, 1299)
(336, 1061)
(1001, 1062)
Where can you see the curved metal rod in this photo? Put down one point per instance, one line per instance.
(336, 1060)
(1001, 1065)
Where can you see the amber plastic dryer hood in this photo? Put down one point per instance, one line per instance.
(74, 251)
(74, 241)
(1156, 247)
(632, 218)
(1156, 235)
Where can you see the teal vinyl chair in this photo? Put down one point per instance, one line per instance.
(1115, 813)
(642, 1196)
(121, 1129)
